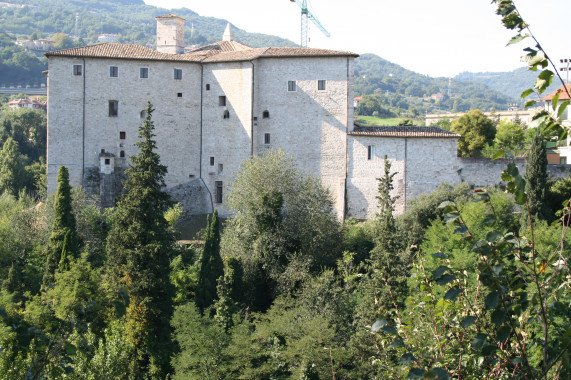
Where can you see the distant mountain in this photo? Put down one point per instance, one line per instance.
(510, 83)
(396, 85)
(132, 20)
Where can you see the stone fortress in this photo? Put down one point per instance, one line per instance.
(219, 105)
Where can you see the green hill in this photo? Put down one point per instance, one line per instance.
(511, 83)
(405, 93)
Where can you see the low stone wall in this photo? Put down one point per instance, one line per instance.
(481, 172)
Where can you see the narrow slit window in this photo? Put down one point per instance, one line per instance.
(218, 192)
(113, 71)
(143, 114)
(211, 160)
(291, 85)
(113, 108)
(370, 152)
(178, 74)
(122, 154)
(267, 138)
(321, 85)
(207, 87)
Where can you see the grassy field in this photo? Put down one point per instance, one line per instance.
(374, 121)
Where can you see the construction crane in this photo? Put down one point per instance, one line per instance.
(305, 14)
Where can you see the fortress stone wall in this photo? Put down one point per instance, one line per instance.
(217, 106)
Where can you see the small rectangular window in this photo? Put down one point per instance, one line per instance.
(321, 85)
(179, 94)
(122, 135)
(107, 161)
(220, 168)
(291, 85)
(113, 71)
(222, 101)
(207, 87)
(267, 138)
(77, 69)
(370, 152)
(178, 74)
(563, 160)
(113, 108)
(122, 154)
(144, 72)
(218, 193)
(211, 160)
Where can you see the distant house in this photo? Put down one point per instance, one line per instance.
(107, 37)
(27, 103)
(41, 45)
(356, 101)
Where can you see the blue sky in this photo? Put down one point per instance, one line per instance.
(437, 37)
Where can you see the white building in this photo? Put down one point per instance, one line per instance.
(215, 107)
(219, 105)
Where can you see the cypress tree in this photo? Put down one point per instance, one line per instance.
(63, 230)
(536, 182)
(389, 261)
(139, 249)
(211, 265)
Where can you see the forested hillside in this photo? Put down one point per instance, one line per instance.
(399, 90)
(511, 83)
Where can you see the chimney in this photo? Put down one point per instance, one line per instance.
(170, 34)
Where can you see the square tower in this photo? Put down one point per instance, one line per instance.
(170, 34)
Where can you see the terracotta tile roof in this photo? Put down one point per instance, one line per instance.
(305, 52)
(564, 95)
(122, 51)
(405, 131)
(223, 51)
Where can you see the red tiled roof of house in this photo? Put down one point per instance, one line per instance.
(404, 131)
(223, 51)
(564, 95)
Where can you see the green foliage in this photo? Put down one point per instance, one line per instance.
(422, 210)
(476, 131)
(280, 214)
(202, 342)
(139, 249)
(467, 329)
(536, 187)
(510, 136)
(11, 168)
(211, 267)
(559, 193)
(63, 236)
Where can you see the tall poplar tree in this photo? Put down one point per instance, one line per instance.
(63, 237)
(139, 248)
(536, 182)
(211, 265)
